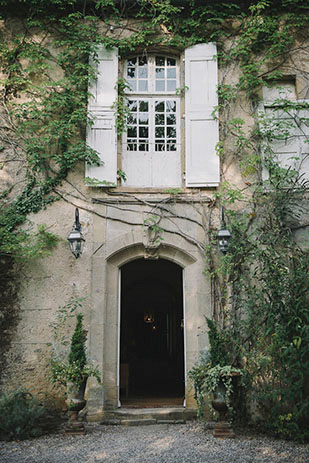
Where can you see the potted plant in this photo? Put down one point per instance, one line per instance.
(215, 376)
(73, 373)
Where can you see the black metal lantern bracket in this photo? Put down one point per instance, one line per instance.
(75, 238)
(224, 235)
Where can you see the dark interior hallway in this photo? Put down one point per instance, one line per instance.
(152, 343)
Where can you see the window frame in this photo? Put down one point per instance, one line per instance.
(151, 74)
(126, 139)
(152, 97)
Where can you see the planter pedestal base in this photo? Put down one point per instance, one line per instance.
(223, 430)
(75, 430)
(74, 427)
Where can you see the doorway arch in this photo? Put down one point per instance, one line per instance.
(104, 345)
(151, 333)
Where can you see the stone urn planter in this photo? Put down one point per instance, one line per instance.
(75, 402)
(222, 427)
(219, 403)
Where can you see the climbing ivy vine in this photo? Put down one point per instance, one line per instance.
(261, 286)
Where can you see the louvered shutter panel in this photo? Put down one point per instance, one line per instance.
(304, 144)
(102, 136)
(202, 130)
(293, 150)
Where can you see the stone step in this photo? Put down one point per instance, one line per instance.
(144, 416)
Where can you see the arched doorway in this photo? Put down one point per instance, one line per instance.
(151, 334)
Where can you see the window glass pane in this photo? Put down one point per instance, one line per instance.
(171, 106)
(132, 62)
(160, 145)
(160, 73)
(143, 71)
(160, 85)
(143, 85)
(132, 105)
(159, 106)
(132, 132)
(132, 84)
(143, 147)
(171, 73)
(171, 85)
(131, 145)
(159, 119)
(160, 60)
(171, 62)
(160, 132)
(171, 132)
(132, 119)
(143, 106)
(171, 119)
(143, 119)
(143, 132)
(131, 72)
(171, 145)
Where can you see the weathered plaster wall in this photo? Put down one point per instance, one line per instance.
(46, 285)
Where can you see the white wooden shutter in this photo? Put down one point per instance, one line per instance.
(102, 136)
(304, 143)
(202, 130)
(291, 151)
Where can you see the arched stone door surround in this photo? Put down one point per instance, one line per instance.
(105, 314)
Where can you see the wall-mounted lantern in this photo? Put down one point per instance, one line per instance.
(223, 236)
(75, 238)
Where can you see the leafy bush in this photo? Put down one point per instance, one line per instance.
(22, 416)
(215, 367)
(219, 348)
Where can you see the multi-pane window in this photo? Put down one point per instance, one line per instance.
(152, 124)
(154, 74)
(153, 129)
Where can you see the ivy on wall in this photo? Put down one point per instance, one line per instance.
(47, 129)
(44, 68)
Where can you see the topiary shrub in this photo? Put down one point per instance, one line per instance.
(73, 367)
(77, 354)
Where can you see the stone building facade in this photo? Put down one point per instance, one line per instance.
(144, 237)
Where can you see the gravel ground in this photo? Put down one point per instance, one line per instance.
(164, 443)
